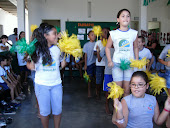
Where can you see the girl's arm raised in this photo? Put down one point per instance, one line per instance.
(136, 50)
(160, 118)
(121, 112)
(107, 49)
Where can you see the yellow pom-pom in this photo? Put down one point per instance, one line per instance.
(168, 55)
(157, 83)
(115, 91)
(33, 27)
(86, 77)
(139, 63)
(148, 74)
(97, 31)
(70, 45)
(104, 42)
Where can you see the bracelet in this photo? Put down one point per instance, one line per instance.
(166, 110)
(121, 121)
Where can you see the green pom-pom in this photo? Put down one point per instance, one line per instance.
(31, 47)
(58, 28)
(124, 64)
(21, 46)
(13, 49)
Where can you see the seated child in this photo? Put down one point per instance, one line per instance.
(6, 82)
(4, 39)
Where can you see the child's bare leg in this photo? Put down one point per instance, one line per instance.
(89, 88)
(126, 88)
(45, 121)
(12, 92)
(16, 92)
(57, 119)
(98, 91)
(107, 104)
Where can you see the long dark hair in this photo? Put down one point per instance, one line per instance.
(42, 48)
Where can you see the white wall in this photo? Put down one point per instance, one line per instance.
(76, 10)
(8, 21)
(159, 9)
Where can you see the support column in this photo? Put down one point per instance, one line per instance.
(21, 15)
(143, 20)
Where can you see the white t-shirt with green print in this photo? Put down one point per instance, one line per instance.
(123, 44)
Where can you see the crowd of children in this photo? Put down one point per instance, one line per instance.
(102, 64)
(10, 82)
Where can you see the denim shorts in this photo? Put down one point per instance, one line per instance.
(99, 74)
(167, 77)
(120, 75)
(91, 70)
(107, 79)
(49, 97)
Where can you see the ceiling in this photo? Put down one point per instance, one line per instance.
(10, 7)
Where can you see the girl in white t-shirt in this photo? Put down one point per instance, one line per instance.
(46, 62)
(124, 41)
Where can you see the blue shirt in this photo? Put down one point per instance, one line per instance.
(141, 111)
(88, 49)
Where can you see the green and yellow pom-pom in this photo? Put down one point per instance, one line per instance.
(97, 30)
(33, 27)
(168, 55)
(124, 64)
(157, 83)
(22, 47)
(70, 45)
(115, 91)
(86, 77)
(139, 63)
(104, 42)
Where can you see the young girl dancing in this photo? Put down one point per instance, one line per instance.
(46, 62)
(124, 40)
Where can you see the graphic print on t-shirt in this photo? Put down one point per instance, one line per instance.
(150, 109)
(124, 45)
(48, 67)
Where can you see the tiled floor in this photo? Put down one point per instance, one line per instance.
(78, 110)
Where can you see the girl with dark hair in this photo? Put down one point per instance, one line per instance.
(46, 62)
(139, 110)
(124, 40)
(3, 40)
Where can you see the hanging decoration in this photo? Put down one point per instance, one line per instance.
(168, 2)
(146, 2)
